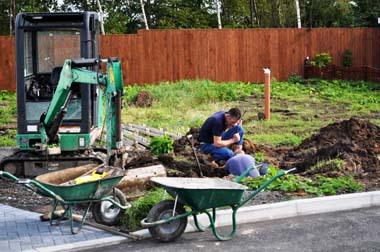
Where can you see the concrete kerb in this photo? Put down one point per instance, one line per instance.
(251, 214)
(292, 208)
(80, 246)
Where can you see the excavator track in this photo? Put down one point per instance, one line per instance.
(31, 164)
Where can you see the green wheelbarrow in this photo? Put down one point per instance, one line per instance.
(167, 220)
(101, 195)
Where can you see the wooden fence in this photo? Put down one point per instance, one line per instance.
(221, 55)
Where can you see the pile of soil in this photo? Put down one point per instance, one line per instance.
(355, 141)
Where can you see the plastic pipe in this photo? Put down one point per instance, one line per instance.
(267, 93)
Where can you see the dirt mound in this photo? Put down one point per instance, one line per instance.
(356, 142)
(144, 99)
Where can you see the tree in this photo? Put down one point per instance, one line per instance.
(10, 8)
(329, 13)
(366, 12)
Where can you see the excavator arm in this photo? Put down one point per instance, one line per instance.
(73, 72)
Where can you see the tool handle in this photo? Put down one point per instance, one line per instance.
(294, 169)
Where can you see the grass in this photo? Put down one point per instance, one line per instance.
(181, 105)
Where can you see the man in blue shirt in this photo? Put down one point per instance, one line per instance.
(219, 132)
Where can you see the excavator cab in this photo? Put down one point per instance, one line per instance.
(43, 42)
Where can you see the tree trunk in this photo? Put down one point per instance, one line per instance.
(218, 14)
(253, 12)
(144, 16)
(12, 18)
(275, 14)
(298, 14)
(101, 20)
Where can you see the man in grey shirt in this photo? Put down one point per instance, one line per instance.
(241, 162)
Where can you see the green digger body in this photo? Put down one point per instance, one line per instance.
(61, 91)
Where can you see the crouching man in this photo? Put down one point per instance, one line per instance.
(219, 132)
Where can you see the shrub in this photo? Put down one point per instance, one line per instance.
(295, 79)
(161, 145)
(140, 208)
(321, 60)
(347, 58)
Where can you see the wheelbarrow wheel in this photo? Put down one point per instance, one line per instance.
(104, 212)
(169, 231)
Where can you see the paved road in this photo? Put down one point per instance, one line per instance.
(357, 230)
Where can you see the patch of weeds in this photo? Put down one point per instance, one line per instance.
(140, 209)
(326, 166)
(161, 145)
(259, 157)
(332, 186)
(5, 141)
(276, 139)
(319, 186)
(295, 79)
(8, 139)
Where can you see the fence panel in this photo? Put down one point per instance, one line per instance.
(221, 55)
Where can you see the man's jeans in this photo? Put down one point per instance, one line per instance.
(224, 153)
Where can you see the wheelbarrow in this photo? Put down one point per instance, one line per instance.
(92, 193)
(167, 220)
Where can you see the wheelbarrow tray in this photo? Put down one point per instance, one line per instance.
(202, 193)
(93, 190)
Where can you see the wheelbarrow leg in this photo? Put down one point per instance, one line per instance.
(53, 218)
(215, 230)
(70, 211)
(199, 226)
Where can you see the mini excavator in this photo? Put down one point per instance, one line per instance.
(61, 85)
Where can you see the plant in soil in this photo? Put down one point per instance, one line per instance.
(161, 145)
(140, 208)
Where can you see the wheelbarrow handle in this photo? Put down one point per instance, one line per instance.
(265, 185)
(294, 169)
(245, 173)
(28, 182)
(9, 175)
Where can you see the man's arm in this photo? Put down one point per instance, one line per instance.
(218, 142)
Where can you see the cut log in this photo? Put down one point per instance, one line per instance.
(137, 180)
(62, 176)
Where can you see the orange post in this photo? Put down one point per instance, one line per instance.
(267, 93)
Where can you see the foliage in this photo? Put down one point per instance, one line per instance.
(295, 79)
(140, 208)
(161, 145)
(124, 16)
(319, 186)
(259, 157)
(321, 60)
(347, 58)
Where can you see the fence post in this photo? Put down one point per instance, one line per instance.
(267, 93)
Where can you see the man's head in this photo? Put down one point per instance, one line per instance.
(239, 152)
(233, 116)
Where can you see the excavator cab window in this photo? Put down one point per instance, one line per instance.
(42, 64)
(43, 42)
